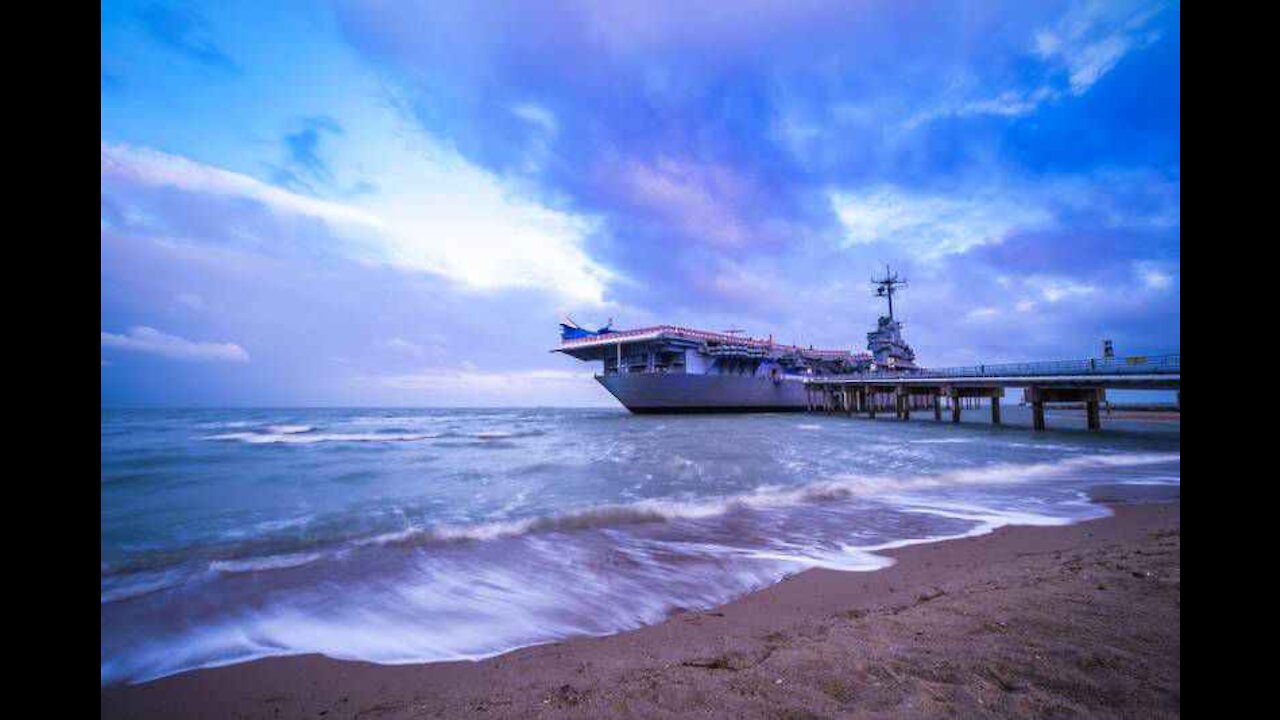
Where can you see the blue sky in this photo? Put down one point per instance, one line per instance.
(393, 203)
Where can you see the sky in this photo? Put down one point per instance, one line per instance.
(308, 204)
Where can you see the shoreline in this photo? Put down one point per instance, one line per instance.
(1080, 618)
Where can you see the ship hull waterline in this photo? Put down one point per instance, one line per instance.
(651, 393)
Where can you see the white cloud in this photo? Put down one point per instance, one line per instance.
(432, 345)
(703, 200)
(485, 239)
(1056, 289)
(1010, 103)
(447, 216)
(149, 340)
(150, 167)
(437, 214)
(1153, 276)
(1085, 44)
(1093, 61)
(404, 346)
(744, 283)
(1047, 44)
(932, 226)
(468, 378)
(536, 115)
(1092, 37)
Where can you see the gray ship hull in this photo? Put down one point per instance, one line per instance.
(690, 393)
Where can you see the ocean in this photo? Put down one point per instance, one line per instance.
(399, 536)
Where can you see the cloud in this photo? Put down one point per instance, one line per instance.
(1057, 289)
(468, 385)
(1084, 44)
(484, 238)
(652, 161)
(455, 379)
(1092, 37)
(700, 201)
(432, 345)
(150, 167)
(149, 340)
(1008, 104)
(1034, 225)
(303, 164)
(1154, 276)
(536, 115)
(981, 314)
(699, 144)
(930, 226)
(439, 215)
(184, 31)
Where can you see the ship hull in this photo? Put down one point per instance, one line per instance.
(690, 393)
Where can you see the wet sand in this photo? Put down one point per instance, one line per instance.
(1028, 622)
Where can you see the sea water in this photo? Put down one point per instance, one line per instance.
(399, 536)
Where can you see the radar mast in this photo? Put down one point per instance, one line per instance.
(887, 286)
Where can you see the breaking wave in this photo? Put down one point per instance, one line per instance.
(272, 551)
(307, 437)
(396, 536)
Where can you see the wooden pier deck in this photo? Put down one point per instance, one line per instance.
(1082, 381)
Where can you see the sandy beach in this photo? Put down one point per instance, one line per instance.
(1027, 621)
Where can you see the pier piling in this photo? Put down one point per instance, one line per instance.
(1091, 397)
(1084, 384)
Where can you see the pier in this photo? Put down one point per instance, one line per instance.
(1074, 381)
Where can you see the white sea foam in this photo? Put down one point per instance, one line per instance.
(623, 532)
(310, 438)
(1155, 480)
(767, 497)
(271, 562)
(848, 559)
(225, 424)
(124, 587)
(289, 429)
(987, 520)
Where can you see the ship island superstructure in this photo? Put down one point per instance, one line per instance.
(888, 349)
(668, 368)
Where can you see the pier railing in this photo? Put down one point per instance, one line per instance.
(1133, 365)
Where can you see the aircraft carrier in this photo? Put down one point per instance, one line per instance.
(672, 369)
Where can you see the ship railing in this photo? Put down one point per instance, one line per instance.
(1132, 365)
(703, 335)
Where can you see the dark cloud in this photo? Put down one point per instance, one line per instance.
(303, 164)
(707, 139)
(183, 30)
